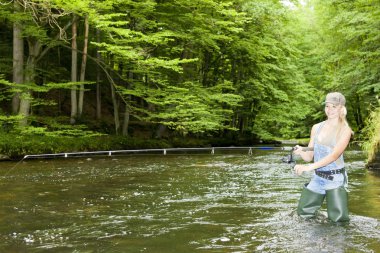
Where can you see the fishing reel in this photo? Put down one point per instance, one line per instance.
(289, 159)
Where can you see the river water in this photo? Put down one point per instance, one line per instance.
(227, 202)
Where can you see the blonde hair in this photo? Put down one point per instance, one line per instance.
(343, 120)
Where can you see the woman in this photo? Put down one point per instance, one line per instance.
(328, 139)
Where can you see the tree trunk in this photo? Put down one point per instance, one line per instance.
(161, 131)
(98, 94)
(127, 112)
(114, 99)
(357, 113)
(126, 120)
(74, 63)
(205, 68)
(115, 109)
(26, 96)
(83, 67)
(18, 60)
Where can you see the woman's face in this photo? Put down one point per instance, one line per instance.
(332, 111)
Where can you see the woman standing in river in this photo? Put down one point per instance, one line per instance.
(329, 140)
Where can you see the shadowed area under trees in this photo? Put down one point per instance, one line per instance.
(92, 75)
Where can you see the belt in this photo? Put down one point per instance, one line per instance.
(329, 173)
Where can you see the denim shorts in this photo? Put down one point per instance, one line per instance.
(320, 185)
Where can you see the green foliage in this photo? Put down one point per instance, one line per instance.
(14, 87)
(372, 134)
(201, 67)
(277, 97)
(349, 49)
(191, 108)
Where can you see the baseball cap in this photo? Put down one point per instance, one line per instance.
(335, 98)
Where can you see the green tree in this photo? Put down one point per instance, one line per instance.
(350, 52)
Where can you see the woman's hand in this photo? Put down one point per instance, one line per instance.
(300, 168)
(306, 153)
(297, 150)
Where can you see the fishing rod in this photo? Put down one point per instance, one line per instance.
(290, 157)
(164, 151)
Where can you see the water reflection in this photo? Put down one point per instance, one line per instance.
(194, 203)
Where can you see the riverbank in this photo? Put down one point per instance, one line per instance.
(374, 162)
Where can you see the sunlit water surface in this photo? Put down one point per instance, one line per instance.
(177, 203)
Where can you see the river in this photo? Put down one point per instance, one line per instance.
(225, 202)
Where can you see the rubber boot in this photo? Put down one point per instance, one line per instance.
(337, 204)
(309, 203)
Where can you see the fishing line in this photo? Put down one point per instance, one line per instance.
(6, 173)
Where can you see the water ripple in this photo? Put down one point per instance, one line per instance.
(220, 203)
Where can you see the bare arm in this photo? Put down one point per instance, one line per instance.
(337, 152)
(307, 156)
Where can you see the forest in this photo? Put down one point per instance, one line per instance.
(113, 74)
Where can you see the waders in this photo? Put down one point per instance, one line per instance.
(309, 203)
(337, 204)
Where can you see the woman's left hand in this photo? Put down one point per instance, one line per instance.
(299, 168)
